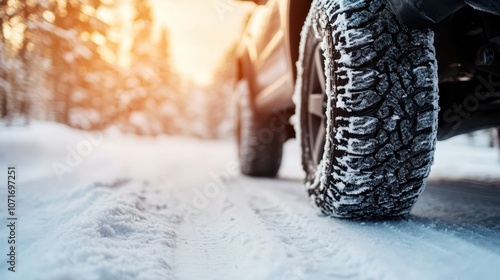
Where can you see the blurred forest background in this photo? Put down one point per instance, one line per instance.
(66, 61)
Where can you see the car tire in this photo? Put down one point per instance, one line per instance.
(260, 141)
(367, 101)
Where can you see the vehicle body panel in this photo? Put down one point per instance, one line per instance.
(266, 56)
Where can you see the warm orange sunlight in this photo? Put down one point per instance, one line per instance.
(201, 31)
(134, 64)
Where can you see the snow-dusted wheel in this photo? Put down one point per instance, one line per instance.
(260, 148)
(366, 96)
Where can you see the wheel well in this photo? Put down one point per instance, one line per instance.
(466, 75)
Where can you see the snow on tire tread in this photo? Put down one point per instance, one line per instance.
(382, 114)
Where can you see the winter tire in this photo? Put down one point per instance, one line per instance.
(366, 98)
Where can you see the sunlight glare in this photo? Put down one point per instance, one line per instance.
(98, 38)
(49, 16)
(199, 34)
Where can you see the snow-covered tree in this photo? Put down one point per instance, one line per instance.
(154, 106)
(22, 65)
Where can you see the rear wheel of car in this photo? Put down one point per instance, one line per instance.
(366, 97)
(260, 140)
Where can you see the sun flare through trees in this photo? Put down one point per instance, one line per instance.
(91, 64)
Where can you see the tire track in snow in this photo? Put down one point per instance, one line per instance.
(234, 239)
(381, 250)
(320, 248)
(199, 254)
(266, 229)
(310, 257)
(219, 242)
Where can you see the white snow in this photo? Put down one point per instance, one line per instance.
(465, 157)
(130, 209)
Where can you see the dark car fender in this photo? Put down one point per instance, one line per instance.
(427, 13)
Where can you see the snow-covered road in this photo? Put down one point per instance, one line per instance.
(123, 207)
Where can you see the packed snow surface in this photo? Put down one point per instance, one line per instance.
(113, 206)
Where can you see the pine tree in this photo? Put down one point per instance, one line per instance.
(75, 59)
(21, 68)
(149, 111)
